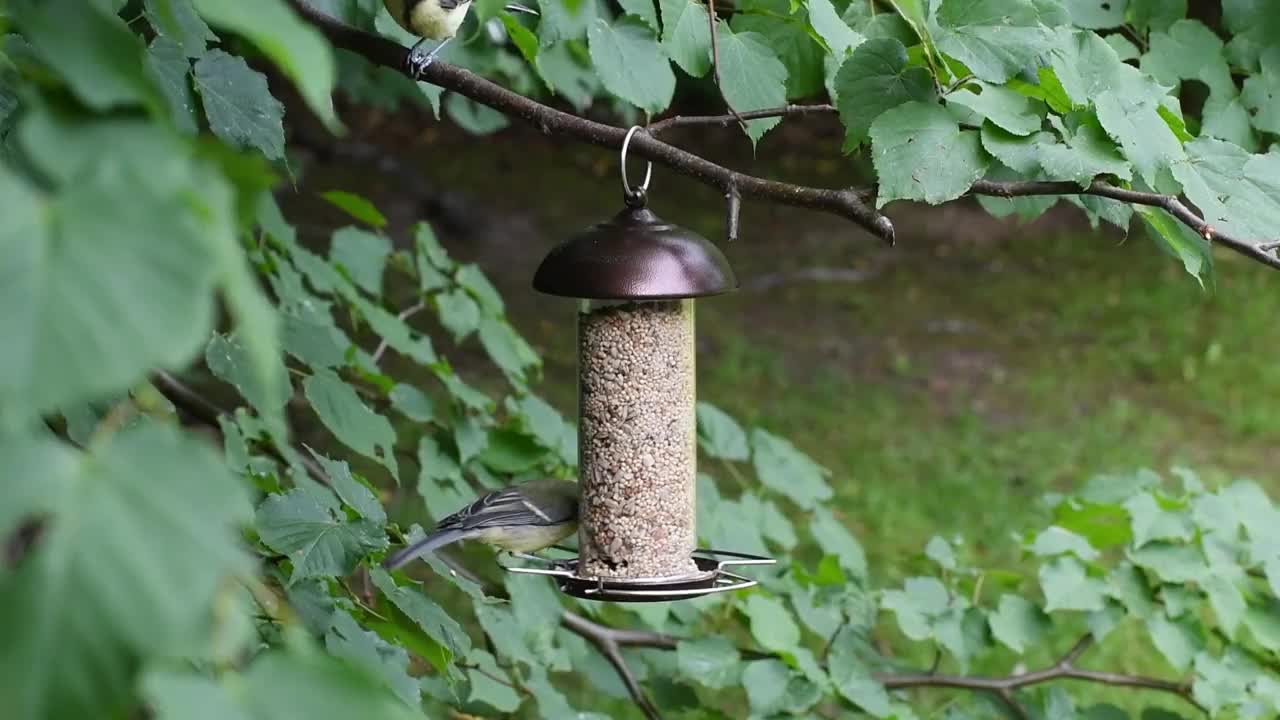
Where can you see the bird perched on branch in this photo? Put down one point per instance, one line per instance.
(433, 20)
(519, 519)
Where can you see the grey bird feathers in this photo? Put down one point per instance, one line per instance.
(521, 518)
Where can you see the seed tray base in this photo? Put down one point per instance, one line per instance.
(711, 577)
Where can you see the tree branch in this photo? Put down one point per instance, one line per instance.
(845, 202)
(1168, 203)
(675, 121)
(609, 641)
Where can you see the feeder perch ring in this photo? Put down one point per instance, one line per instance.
(710, 577)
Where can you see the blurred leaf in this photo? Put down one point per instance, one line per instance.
(350, 420)
(440, 480)
(91, 49)
(852, 677)
(459, 314)
(239, 105)
(507, 349)
(491, 685)
(1018, 623)
(631, 64)
(1227, 602)
(785, 469)
(347, 640)
(766, 685)
(177, 21)
(644, 10)
(1097, 14)
(713, 662)
(720, 435)
(412, 403)
(171, 72)
(317, 542)
(357, 207)
(1056, 541)
(1178, 641)
(363, 255)
(835, 539)
(298, 48)
(426, 615)
(1067, 586)
(917, 605)
(1171, 563)
(1152, 522)
(771, 623)
(939, 551)
(229, 360)
(1128, 585)
(148, 509)
(511, 452)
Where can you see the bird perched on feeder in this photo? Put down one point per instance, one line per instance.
(433, 20)
(519, 519)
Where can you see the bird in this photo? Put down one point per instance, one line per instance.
(519, 519)
(433, 20)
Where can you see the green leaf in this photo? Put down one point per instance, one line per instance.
(241, 110)
(1262, 92)
(1021, 154)
(177, 21)
(511, 452)
(835, 539)
(1188, 51)
(766, 685)
(525, 41)
(720, 435)
(995, 39)
(1005, 108)
(490, 684)
(713, 662)
(365, 649)
(412, 403)
(1178, 641)
(1088, 152)
(920, 153)
(458, 312)
(853, 680)
(781, 467)
(1018, 623)
(1152, 522)
(507, 349)
(643, 10)
(472, 116)
(426, 615)
(1128, 585)
(631, 63)
(138, 537)
(751, 76)
(229, 360)
(1067, 586)
(362, 254)
(111, 245)
(395, 332)
(1238, 193)
(771, 624)
(918, 605)
(1227, 602)
(316, 686)
(1180, 242)
(840, 38)
(1146, 15)
(1171, 563)
(355, 493)
(939, 551)
(175, 695)
(568, 75)
(440, 480)
(350, 420)
(874, 79)
(686, 35)
(1096, 14)
(357, 207)
(171, 72)
(317, 541)
(792, 40)
(92, 50)
(1264, 624)
(296, 47)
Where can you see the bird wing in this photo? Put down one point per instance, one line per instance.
(508, 506)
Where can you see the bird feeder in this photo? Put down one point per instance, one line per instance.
(635, 278)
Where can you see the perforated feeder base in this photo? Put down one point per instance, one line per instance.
(711, 577)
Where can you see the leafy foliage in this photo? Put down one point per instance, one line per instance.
(142, 569)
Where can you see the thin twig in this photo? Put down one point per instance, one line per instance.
(1168, 203)
(404, 315)
(845, 202)
(609, 641)
(725, 120)
(715, 63)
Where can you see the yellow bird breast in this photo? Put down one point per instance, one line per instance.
(431, 19)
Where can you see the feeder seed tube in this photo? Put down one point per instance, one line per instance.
(637, 444)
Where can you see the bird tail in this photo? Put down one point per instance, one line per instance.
(404, 556)
(513, 7)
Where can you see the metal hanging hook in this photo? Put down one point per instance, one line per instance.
(634, 195)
